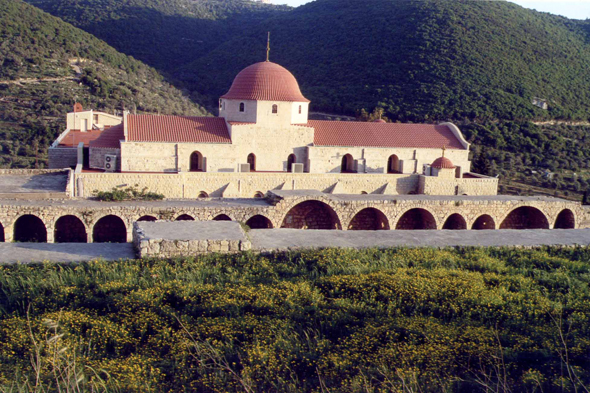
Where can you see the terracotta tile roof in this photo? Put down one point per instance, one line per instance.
(443, 163)
(352, 133)
(74, 137)
(265, 81)
(109, 138)
(155, 128)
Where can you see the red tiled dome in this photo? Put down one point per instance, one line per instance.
(265, 81)
(443, 163)
(379, 121)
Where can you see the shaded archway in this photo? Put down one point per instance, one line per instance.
(369, 219)
(30, 228)
(259, 222)
(147, 218)
(455, 222)
(1, 233)
(483, 222)
(69, 229)
(565, 220)
(196, 162)
(222, 217)
(525, 217)
(203, 194)
(290, 161)
(252, 162)
(109, 229)
(259, 194)
(311, 215)
(393, 164)
(416, 219)
(185, 217)
(347, 165)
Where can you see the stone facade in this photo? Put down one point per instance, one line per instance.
(64, 157)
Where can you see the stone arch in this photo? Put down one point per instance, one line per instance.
(109, 229)
(29, 228)
(416, 219)
(455, 222)
(2, 238)
(393, 164)
(311, 214)
(252, 161)
(485, 221)
(203, 194)
(565, 220)
(185, 217)
(259, 194)
(290, 161)
(147, 218)
(70, 229)
(222, 217)
(196, 162)
(525, 217)
(259, 222)
(369, 219)
(347, 165)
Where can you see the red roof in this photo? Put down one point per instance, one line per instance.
(265, 81)
(110, 138)
(74, 137)
(443, 163)
(370, 134)
(156, 128)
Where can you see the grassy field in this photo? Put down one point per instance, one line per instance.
(405, 320)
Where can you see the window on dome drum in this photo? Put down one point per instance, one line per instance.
(275, 108)
(196, 164)
(347, 165)
(252, 162)
(290, 161)
(393, 164)
(242, 107)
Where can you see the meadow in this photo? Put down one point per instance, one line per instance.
(395, 320)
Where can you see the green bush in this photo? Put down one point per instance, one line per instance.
(127, 194)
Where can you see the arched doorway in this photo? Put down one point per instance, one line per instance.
(311, 215)
(1, 233)
(109, 229)
(197, 162)
(30, 229)
(455, 222)
(416, 219)
(369, 219)
(222, 217)
(69, 229)
(483, 222)
(185, 217)
(147, 218)
(290, 161)
(259, 222)
(252, 162)
(565, 220)
(393, 164)
(525, 217)
(347, 165)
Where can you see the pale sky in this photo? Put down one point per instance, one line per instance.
(575, 9)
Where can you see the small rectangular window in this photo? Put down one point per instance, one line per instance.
(275, 108)
(299, 109)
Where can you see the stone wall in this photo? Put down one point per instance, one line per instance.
(62, 157)
(97, 157)
(433, 185)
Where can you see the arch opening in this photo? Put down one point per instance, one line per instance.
(109, 229)
(259, 194)
(197, 162)
(347, 165)
(2, 239)
(565, 220)
(252, 162)
(185, 217)
(416, 219)
(259, 222)
(290, 161)
(525, 217)
(70, 229)
(311, 215)
(222, 217)
(369, 219)
(455, 222)
(30, 229)
(147, 218)
(393, 164)
(484, 222)
(242, 107)
(203, 194)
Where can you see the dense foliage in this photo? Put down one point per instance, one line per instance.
(406, 320)
(46, 65)
(127, 194)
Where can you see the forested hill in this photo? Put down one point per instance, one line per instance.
(46, 65)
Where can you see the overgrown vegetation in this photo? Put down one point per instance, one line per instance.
(127, 194)
(469, 320)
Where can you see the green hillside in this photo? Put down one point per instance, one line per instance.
(47, 65)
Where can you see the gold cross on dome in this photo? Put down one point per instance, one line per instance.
(444, 149)
(268, 47)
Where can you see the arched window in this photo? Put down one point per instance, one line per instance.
(242, 107)
(393, 164)
(275, 108)
(290, 161)
(252, 161)
(299, 109)
(347, 165)
(196, 162)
